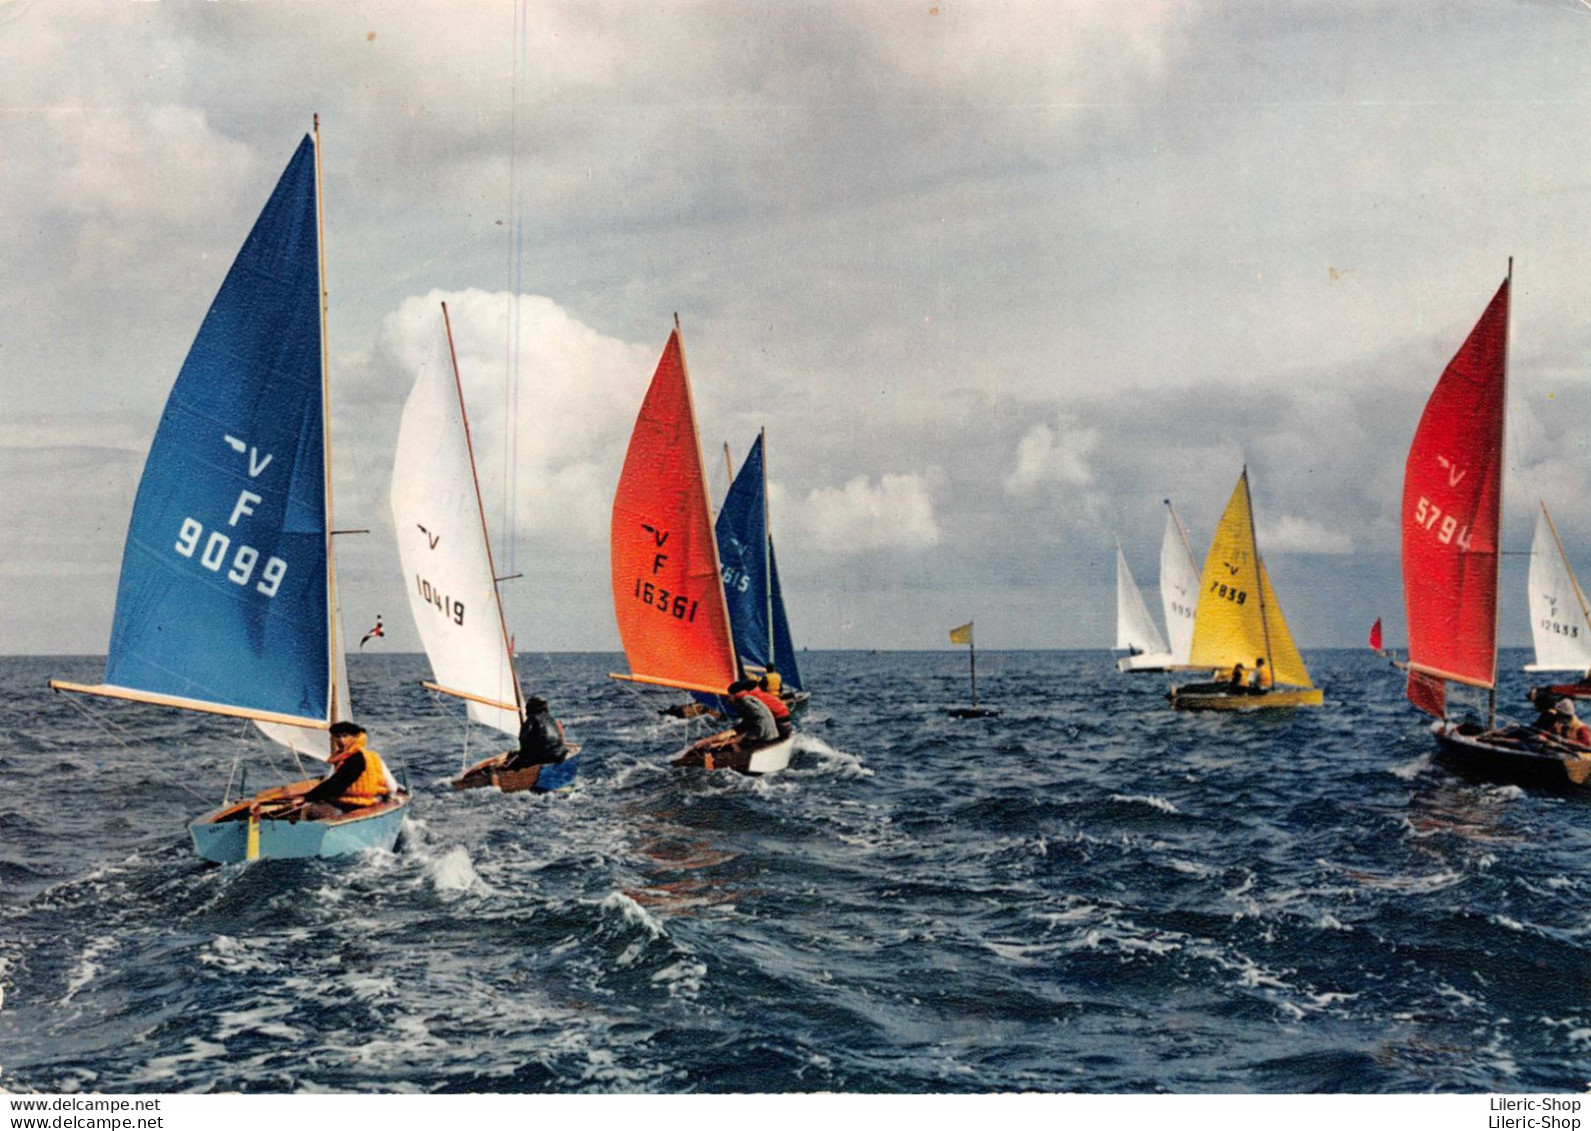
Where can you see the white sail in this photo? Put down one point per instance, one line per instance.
(1557, 610)
(442, 544)
(1135, 628)
(1179, 587)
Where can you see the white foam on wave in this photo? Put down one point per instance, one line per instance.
(1408, 771)
(840, 763)
(683, 979)
(88, 965)
(1148, 799)
(453, 873)
(264, 1020)
(632, 912)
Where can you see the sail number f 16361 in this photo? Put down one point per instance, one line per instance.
(1429, 516)
(677, 605)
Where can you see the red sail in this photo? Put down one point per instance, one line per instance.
(1452, 501)
(668, 596)
(1375, 635)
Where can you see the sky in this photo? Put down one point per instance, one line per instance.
(996, 277)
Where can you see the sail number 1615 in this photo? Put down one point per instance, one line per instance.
(1429, 516)
(676, 605)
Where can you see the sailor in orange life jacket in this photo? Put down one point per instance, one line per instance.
(1570, 728)
(358, 779)
(769, 698)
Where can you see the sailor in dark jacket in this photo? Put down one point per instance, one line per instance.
(541, 740)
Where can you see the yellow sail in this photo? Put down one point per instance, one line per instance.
(1238, 619)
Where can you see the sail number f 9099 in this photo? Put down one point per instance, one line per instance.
(214, 555)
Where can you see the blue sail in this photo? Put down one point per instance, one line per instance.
(751, 581)
(223, 594)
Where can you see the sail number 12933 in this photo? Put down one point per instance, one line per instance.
(1429, 516)
(677, 605)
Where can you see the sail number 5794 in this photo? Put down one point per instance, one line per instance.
(1429, 516)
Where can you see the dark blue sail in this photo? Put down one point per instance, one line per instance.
(751, 583)
(223, 595)
(783, 650)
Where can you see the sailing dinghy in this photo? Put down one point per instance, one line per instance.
(668, 587)
(1452, 512)
(450, 576)
(227, 602)
(1136, 631)
(1238, 621)
(1179, 597)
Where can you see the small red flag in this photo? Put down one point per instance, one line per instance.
(1375, 635)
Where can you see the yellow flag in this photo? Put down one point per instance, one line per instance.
(962, 635)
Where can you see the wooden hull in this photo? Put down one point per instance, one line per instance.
(714, 753)
(1207, 697)
(223, 836)
(1498, 756)
(538, 779)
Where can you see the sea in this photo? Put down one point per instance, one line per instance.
(1090, 892)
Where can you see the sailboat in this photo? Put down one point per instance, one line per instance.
(668, 587)
(1238, 620)
(227, 602)
(1179, 596)
(1560, 622)
(1452, 511)
(751, 577)
(1135, 628)
(449, 574)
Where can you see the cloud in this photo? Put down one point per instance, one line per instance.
(1048, 456)
(895, 513)
(1295, 535)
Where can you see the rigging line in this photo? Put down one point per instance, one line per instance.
(515, 285)
(74, 700)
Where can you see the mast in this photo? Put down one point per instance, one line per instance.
(1259, 578)
(333, 625)
(1502, 464)
(480, 509)
(767, 541)
(972, 661)
(707, 502)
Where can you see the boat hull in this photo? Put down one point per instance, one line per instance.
(1146, 662)
(223, 837)
(712, 753)
(1205, 697)
(1510, 760)
(551, 778)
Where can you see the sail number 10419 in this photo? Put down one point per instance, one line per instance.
(677, 605)
(1429, 516)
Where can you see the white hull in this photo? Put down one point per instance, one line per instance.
(1146, 662)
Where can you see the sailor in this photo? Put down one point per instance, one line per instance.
(1547, 716)
(1239, 680)
(541, 738)
(1262, 678)
(769, 698)
(1570, 728)
(359, 778)
(756, 724)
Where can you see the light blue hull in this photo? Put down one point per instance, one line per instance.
(227, 842)
(560, 775)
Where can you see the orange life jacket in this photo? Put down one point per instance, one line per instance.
(370, 787)
(772, 702)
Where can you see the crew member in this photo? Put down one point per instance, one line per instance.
(359, 778)
(541, 738)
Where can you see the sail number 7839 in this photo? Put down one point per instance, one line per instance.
(1429, 516)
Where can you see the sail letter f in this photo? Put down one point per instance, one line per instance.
(245, 505)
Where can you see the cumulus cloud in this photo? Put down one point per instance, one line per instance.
(1048, 456)
(1295, 535)
(894, 513)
